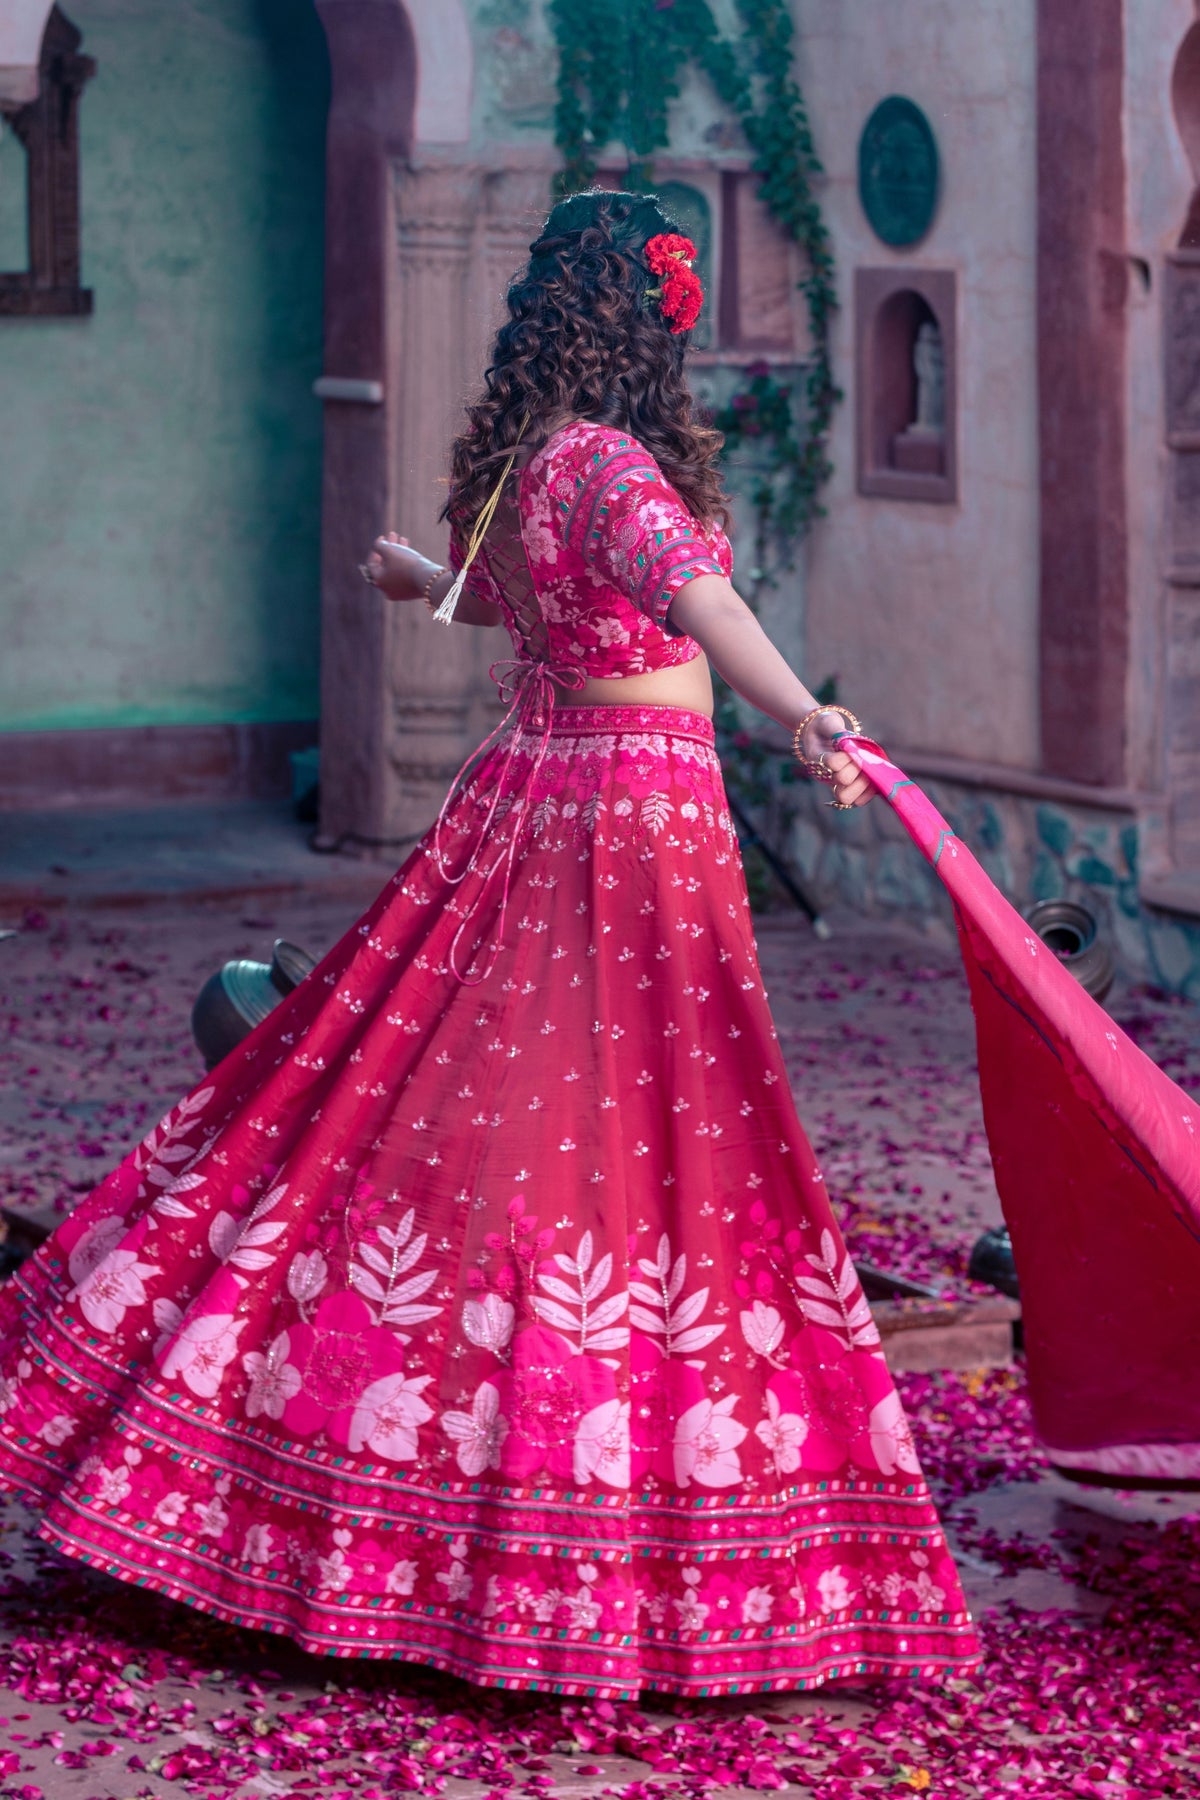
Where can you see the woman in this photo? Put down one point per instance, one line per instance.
(486, 1308)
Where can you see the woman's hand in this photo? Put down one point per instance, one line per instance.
(850, 785)
(397, 570)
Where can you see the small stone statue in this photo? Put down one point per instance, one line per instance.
(930, 365)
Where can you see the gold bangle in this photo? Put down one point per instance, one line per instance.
(425, 590)
(813, 763)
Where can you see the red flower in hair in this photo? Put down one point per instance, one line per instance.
(681, 295)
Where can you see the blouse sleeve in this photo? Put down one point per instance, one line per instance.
(630, 525)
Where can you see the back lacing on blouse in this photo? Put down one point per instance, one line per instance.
(527, 683)
(587, 548)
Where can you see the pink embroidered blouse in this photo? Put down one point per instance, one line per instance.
(609, 543)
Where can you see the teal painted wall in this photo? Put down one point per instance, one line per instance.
(160, 461)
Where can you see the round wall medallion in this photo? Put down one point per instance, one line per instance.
(898, 171)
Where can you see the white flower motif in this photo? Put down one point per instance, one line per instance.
(583, 1609)
(891, 1439)
(401, 1578)
(756, 1606)
(705, 1447)
(762, 1328)
(273, 1379)
(480, 1433)
(928, 1595)
(602, 1444)
(489, 1323)
(544, 1605)
(95, 1244)
(782, 1434)
(168, 1317)
(492, 1603)
(113, 1485)
(456, 1581)
(213, 1520)
(306, 1275)
(171, 1509)
(333, 1571)
(834, 1590)
(388, 1414)
(258, 1547)
(202, 1350)
(58, 1429)
(108, 1281)
(692, 1611)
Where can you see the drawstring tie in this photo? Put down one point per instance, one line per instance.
(527, 687)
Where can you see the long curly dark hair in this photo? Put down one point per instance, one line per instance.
(583, 342)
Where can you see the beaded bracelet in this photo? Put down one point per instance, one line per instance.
(425, 590)
(811, 763)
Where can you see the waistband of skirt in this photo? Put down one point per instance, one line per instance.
(623, 721)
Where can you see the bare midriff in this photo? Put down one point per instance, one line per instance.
(686, 684)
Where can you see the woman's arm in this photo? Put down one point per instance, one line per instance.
(709, 610)
(402, 573)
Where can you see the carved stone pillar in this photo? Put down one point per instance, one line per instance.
(373, 63)
(418, 256)
(1081, 389)
(1181, 721)
(462, 231)
(429, 671)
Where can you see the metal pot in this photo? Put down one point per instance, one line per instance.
(241, 994)
(1072, 933)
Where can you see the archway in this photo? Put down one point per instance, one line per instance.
(401, 79)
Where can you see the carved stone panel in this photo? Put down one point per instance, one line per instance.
(462, 232)
(1181, 347)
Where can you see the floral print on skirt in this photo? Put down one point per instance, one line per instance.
(504, 1327)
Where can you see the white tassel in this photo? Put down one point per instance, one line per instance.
(444, 611)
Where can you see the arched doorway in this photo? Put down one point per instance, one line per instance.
(423, 233)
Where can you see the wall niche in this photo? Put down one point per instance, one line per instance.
(905, 383)
(48, 129)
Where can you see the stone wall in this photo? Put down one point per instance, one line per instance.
(1033, 846)
(929, 612)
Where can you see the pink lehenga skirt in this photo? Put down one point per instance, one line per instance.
(502, 1325)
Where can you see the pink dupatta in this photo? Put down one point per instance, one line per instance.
(1097, 1161)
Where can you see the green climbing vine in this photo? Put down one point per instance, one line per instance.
(621, 64)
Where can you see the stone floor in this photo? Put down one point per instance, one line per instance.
(94, 1000)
